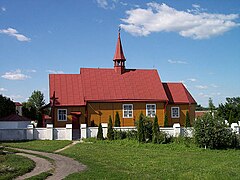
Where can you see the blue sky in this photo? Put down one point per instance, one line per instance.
(195, 42)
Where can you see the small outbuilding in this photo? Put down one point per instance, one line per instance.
(14, 121)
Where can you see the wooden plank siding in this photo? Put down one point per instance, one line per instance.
(69, 116)
(183, 110)
(100, 112)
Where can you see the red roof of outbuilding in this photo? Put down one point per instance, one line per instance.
(14, 117)
(94, 84)
(177, 93)
(119, 55)
(18, 104)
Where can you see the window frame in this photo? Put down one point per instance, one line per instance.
(127, 110)
(155, 109)
(178, 116)
(65, 115)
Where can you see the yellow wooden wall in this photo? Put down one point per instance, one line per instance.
(69, 119)
(183, 110)
(100, 112)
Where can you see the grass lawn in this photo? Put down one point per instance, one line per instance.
(130, 160)
(46, 145)
(125, 159)
(12, 165)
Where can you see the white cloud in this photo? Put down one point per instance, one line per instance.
(204, 95)
(192, 79)
(55, 72)
(176, 62)
(123, 3)
(32, 70)
(15, 97)
(106, 4)
(193, 24)
(14, 33)
(3, 9)
(201, 87)
(214, 86)
(3, 90)
(216, 94)
(15, 75)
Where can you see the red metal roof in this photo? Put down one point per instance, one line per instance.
(119, 55)
(178, 94)
(14, 117)
(18, 104)
(68, 89)
(105, 85)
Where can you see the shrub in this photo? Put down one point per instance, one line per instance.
(100, 132)
(119, 134)
(211, 132)
(110, 133)
(155, 130)
(131, 135)
(236, 141)
(117, 120)
(187, 120)
(140, 129)
(164, 138)
(148, 129)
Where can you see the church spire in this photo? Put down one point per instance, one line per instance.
(119, 58)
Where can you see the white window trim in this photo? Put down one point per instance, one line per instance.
(123, 110)
(172, 112)
(58, 114)
(154, 109)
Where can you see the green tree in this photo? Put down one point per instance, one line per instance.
(36, 100)
(100, 132)
(117, 120)
(155, 130)
(140, 128)
(230, 110)
(211, 132)
(187, 120)
(231, 118)
(7, 107)
(200, 108)
(110, 133)
(211, 105)
(33, 105)
(165, 120)
(29, 111)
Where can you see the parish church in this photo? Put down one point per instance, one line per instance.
(94, 94)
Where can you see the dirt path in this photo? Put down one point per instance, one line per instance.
(42, 165)
(63, 165)
(68, 146)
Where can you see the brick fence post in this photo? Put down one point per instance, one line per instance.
(84, 130)
(104, 127)
(68, 132)
(30, 132)
(50, 132)
(177, 129)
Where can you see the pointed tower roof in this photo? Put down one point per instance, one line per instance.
(119, 55)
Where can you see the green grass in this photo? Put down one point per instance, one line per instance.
(129, 160)
(41, 145)
(41, 176)
(12, 165)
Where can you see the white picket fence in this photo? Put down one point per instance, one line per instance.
(50, 133)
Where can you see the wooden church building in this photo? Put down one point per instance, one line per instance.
(94, 94)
